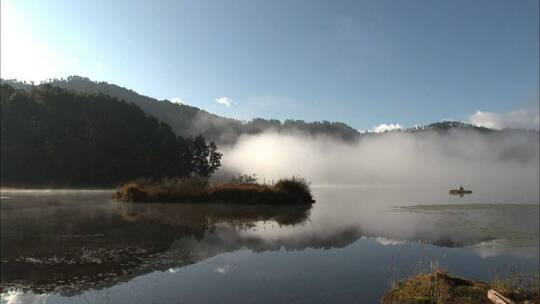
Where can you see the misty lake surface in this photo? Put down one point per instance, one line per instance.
(80, 247)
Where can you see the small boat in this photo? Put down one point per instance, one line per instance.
(459, 191)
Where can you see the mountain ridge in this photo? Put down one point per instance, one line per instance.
(190, 121)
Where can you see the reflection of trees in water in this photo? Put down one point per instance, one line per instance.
(69, 249)
(89, 243)
(193, 215)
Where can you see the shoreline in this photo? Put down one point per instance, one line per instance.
(438, 286)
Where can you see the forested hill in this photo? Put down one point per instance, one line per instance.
(56, 137)
(191, 121)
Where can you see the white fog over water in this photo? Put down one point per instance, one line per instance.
(456, 158)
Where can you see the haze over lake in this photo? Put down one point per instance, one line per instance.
(80, 246)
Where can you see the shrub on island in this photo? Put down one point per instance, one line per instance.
(240, 190)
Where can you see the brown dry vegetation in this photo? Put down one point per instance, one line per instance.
(518, 286)
(198, 190)
(439, 287)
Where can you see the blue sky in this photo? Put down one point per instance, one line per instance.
(360, 62)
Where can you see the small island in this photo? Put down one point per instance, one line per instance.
(240, 190)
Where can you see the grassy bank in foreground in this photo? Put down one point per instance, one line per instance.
(198, 190)
(440, 287)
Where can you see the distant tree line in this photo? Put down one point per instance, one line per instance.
(52, 136)
(186, 120)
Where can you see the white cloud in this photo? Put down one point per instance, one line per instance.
(225, 268)
(387, 241)
(226, 101)
(177, 100)
(18, 297)
(384, 127)
(527, 118)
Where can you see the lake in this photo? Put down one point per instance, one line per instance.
(74, 246)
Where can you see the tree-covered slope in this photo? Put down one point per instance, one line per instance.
(52, 136)
(188, 121)
(191, 121)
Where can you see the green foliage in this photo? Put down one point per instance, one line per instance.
(200, 158)
(55, 137)
(445, 126)
(205, 158)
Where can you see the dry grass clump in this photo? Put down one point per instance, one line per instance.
(518, 286)
(436, 288)
(241, 190)
(142, 190)
(439, 287)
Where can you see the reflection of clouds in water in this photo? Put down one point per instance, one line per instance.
(223, 269)
(18, 297)
(493, 243)
(521, 252)
(346, 217)
(223, 264)
(500, 247)
(387, 242)
(450, 225)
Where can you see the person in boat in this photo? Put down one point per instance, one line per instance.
(460, 191)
